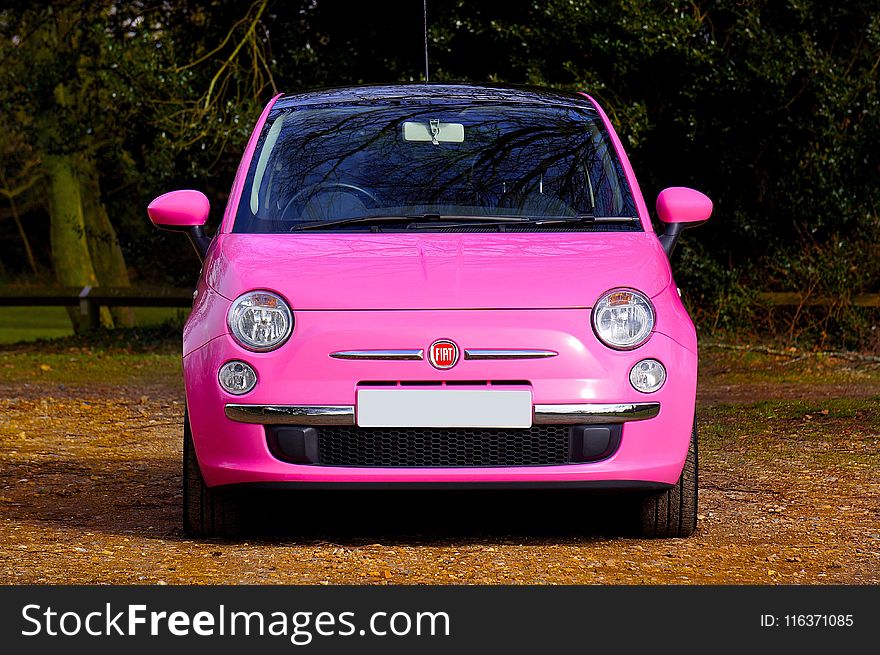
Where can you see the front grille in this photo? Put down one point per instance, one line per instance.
(540, 445)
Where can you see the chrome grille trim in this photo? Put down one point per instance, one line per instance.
(397, 355)
(291, 414)
(586, 413)
(502, 353)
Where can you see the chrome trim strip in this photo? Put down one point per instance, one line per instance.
(409, 355)
(292, 414)
(499, 353)
(583, 413)
(587, 413)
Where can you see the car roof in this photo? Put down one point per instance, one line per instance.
(440, 93)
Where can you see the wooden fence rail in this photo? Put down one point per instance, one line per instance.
(91, 299)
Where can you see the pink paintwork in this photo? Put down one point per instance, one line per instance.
(179, 209)
(235, 192)
(441, 270)
(679, 204)
(300, 372)
(362, 291)
(627, 167)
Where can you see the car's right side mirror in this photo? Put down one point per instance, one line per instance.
(680, 207)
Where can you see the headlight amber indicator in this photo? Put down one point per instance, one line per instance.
(260, 320)
(623, 319)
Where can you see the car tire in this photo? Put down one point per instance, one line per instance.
(206, 512)
(673, 513)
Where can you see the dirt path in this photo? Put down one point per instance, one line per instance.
(790, 493)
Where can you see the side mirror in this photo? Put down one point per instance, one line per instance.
(183, 211)
(679, 208)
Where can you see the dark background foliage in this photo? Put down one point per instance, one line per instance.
(770, 107)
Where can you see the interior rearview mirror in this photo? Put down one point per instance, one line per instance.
(433, 131)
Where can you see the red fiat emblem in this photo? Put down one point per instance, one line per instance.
(443, 353)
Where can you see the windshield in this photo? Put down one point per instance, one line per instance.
(361, 166)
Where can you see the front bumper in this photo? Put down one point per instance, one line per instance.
(569, 414)
(584, 378)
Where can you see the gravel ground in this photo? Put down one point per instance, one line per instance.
(90, 493)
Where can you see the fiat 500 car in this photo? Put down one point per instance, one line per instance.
(441, 287)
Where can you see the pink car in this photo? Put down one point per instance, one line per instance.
(430, 286)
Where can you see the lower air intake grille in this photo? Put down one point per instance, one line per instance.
(541, 445)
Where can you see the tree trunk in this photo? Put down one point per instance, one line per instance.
(107, 257)
(67, 230)
(67, 234)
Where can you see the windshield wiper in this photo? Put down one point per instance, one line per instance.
(430, 219)
(463, 220)
(584, 218)
(458, 220)
(355, 220)
(412, 219)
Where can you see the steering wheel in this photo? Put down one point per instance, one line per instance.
(313, 190)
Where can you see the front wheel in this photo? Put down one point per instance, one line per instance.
(206, 512)
(673, 513)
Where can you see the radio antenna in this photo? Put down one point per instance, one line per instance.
(425, 14)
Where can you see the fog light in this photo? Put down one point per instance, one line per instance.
(237, 377)
(647, 376)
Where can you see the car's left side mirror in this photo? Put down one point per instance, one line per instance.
(680, 208)
(183, 211)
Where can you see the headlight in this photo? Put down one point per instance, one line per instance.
(623, 319)
(260, 320)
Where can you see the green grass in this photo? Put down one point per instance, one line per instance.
(838, 431)
(865, 411)
(143, 356)
(81, 367)
(723, 367)
(22, 324)
(29, 323)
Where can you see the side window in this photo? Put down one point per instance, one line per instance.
(607, 179)
(258, 187)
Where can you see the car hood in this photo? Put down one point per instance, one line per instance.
(437, 270)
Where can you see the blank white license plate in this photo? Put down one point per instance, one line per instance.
(444, 408)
